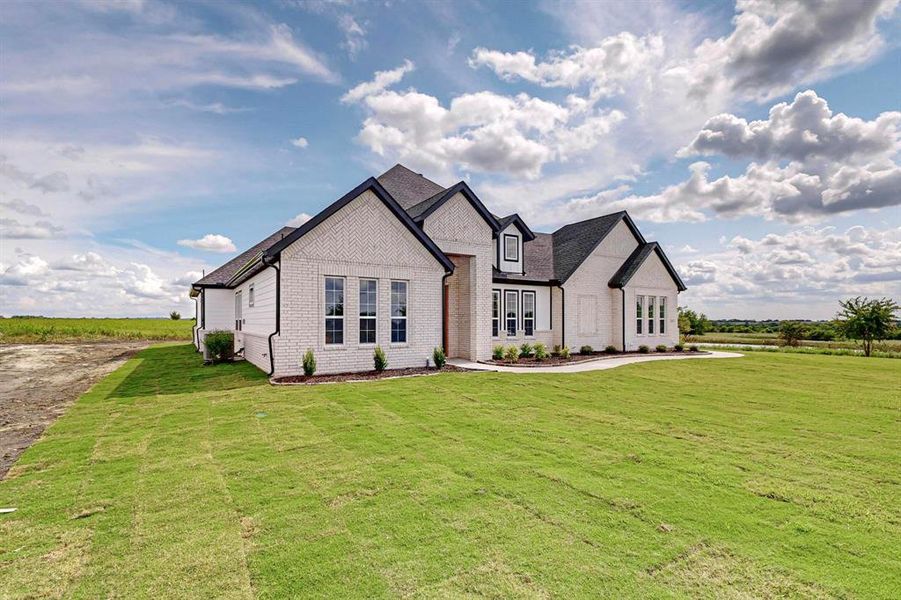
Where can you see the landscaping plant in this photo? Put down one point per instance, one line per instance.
(610, 349)
(497, 353)
(661, 347)
(380, 359)
(540, 351)
(643, 349)
(511, 354)
(220, 345)
(309, 363)
(525, 350)
(438, 357)
(586, 349)
(556, 351)
(693, 348)
(564, 352)
(679, 347)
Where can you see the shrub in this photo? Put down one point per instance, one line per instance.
(586, 349)
(540, 351)
(309, 363)
(693, 348)
(511, 353)
(439, 357)
(221, 345)
(610, 349)
(679, 347)
(556, 351)
(379, 358)
(497, 353)
(661, 348)
(175, 315)
(644, 349)
(791, 333)
(525, 350)
(564, 352)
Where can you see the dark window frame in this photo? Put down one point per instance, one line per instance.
(639, 314)
(661, 315)
(398, 320)
(652, 302)
(515, 318)
(534, 318)
(496, 319)
(373, 318)
(332, 319)
(515, 247)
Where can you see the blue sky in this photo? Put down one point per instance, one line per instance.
(147, 141)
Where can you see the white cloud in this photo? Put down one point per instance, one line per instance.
(216, 108)
(14, 230)
(211, 242)
(354, 35)
(22, 207)
(300, 142)
(380, 81)
(299, 220)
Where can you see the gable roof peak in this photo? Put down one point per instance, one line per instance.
(408, 187)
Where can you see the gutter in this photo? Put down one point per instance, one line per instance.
(562, 317)
(278, 313)
(623, 290)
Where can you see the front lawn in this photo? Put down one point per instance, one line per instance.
(770, 475)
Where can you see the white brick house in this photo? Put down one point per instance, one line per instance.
(406, 264)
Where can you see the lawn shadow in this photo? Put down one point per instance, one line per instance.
(179, 369)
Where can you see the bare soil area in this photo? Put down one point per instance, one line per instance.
(38, 383)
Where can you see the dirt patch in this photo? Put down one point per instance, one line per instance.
(362, 376)
(39, 382)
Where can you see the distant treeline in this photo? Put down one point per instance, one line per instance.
(825, 331)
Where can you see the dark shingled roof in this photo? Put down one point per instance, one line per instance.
(408, 188)
(226, 272)
(574, 242)
(417, 210)
(636, 259)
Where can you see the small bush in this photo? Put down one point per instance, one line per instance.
(586, 349)
(379, 358)
(221, 345)
(610, 349)
(540, 351)
(175, 315)
(439, 357)
(511, 354)
(644, 349)
(693, 348)
(526, 350)
(497, 353)
(564, 352)
(661, 348)
(556, 351)
(679, 347)
(309, 363)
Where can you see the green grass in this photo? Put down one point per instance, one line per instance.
(878, 352)
(766, 476)
(772, 339)
(30, 330)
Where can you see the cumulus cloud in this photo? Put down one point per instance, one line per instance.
(299, 220)
(300, 142)
(22, 207)
(211, 242)
(808, 266)
(39, 230)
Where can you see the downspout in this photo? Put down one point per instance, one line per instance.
(278, 314)
(623, 290)
(562, 317)
(196, 324)
(444, 312)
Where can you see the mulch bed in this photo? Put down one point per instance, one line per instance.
(361, 376)
(555, 361)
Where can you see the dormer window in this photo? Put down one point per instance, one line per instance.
(511, 248)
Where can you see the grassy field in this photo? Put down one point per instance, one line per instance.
(31, 330)
(772, 339)
(766, 476)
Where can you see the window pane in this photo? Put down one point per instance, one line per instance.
(398, 330)
(368, 297)
(334, 331)
(511, 247)
(639, 301)
(367, 331)
(398, 299)
(512, 311)
(334, 296)
(495, 313)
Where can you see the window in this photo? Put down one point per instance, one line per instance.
(368, 308)
(495, 313)
(398, 312)
(650, 315)
(511, 247)
(528, 312)
(639, 304)
(511, 300)
(662, 315)
(239, 320)
(334, 310)
(250, 295)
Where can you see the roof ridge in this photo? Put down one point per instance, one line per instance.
(618, 212)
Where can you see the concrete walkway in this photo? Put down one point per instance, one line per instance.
(598, 364)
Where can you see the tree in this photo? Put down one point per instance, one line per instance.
(791, 332)
(175, 315)
(867, 320)
(692, 323)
